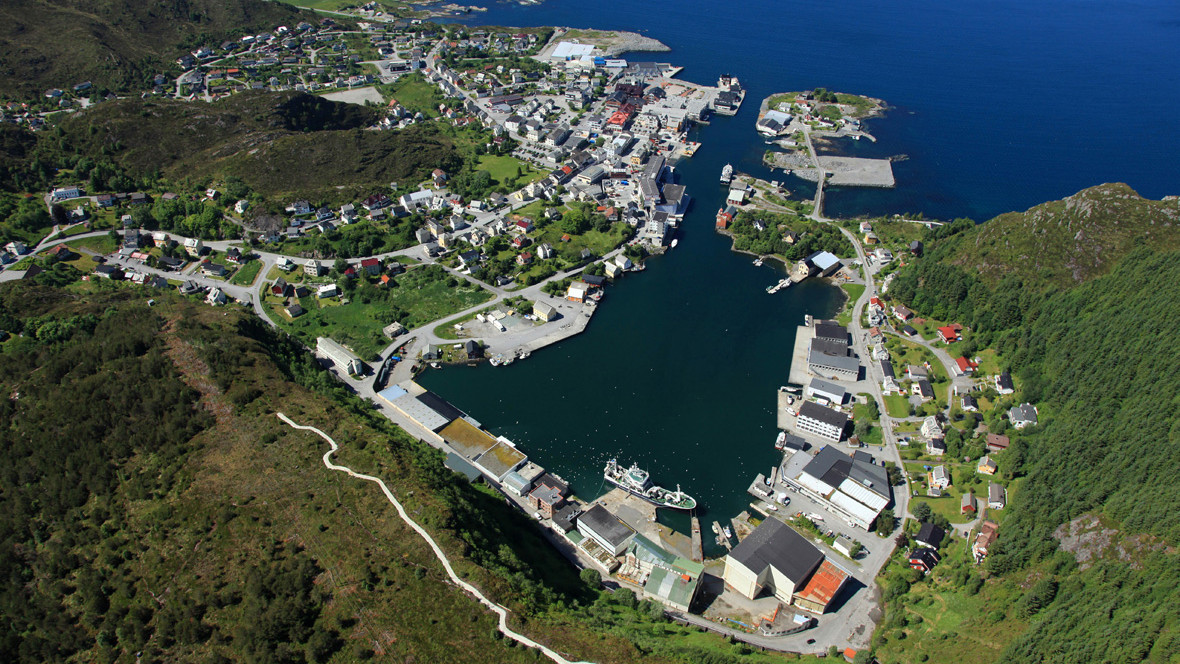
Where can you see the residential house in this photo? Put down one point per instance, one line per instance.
(525, 258)
(1023, 415)
(969, 404)
(939, 478)
(294, 310)
(923, 559)
(211, 269)
(997, 497)
(964, 367)
(193, 246)
(903, 314)
(1004, 383)
(930, 535)
(986, 466)
(313, 268)
(371, 266)
(988, 533)
(546, 251)
(996, 442)
(327, 290)
(281, 288)
(922, 388)
(108, 272)
(968, 504)
(216, 297)
(948, 334)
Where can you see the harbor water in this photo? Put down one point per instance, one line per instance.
(997, 106)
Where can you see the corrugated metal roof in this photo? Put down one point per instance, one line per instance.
(863, 494)
(860, 511)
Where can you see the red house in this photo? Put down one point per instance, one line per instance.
(964, 366)
(371, 265)
(948, 334)
(521, 241)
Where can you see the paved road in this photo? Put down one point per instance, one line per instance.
(438, 552)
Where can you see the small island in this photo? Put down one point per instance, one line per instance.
(793, 120)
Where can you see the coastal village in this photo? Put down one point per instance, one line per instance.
(889, 435)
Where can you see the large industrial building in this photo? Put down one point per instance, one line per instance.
(776, 559)
(854, 488)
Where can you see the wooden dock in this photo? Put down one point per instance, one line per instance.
(721, 538)
(698, 551)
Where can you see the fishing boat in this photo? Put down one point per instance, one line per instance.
(727, 531)
(727, 174)
(637, 482)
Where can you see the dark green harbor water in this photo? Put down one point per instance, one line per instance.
(677, 371)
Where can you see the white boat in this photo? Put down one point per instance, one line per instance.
(727, 531)
(727, 174)
(758, 262)
(674, 243)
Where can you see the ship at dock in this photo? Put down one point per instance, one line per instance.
(727, 174)
(637, 482)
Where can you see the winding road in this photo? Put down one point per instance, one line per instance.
(438, 552)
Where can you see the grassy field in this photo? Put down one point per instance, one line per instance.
(503, 167)
(246, 274)
(853, 293)
(100, 245)
(414, 93)
(897, 405)
(940, 620)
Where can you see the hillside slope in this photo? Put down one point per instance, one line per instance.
(116, 44)
(1070, 241)
(276, 142)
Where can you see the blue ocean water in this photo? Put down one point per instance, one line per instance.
(998, 105)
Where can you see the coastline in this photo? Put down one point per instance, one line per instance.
(612, 42)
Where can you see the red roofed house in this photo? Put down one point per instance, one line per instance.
(876, 302)
(948, 334)
(525, 258)
(524, 225)
(520, 241)
(371, 265)
(964, 367)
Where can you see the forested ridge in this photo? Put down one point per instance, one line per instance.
(1099, 361)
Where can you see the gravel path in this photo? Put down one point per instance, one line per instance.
(499, 610)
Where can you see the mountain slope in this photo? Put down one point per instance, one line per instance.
(116, 44)
(1066, 242)
(275, 142)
